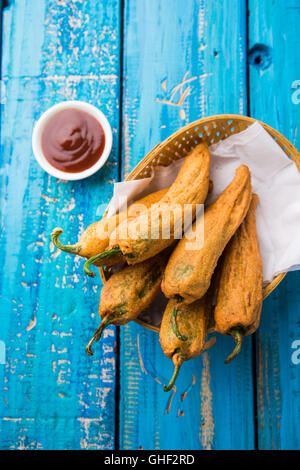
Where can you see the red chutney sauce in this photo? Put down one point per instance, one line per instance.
(73, 140)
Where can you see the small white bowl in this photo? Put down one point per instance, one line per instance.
(40, 126)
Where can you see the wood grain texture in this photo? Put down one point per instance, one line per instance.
(274, 67)
(179, 65)
(53, 396)
(182, 61)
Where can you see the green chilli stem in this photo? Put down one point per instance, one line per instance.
(237, 334)
(97, 335)
(173, 378)
(103, 255)
(56, 233)
(175, 326)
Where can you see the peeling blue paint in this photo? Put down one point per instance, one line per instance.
(278, 380)
(2, 353)
(53, 396)
(182, 61)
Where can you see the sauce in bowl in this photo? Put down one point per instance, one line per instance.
(73, 140)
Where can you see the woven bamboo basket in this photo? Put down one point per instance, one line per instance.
(211, 130)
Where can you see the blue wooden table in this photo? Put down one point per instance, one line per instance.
(151, 66)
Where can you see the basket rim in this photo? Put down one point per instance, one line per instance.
(217, 117)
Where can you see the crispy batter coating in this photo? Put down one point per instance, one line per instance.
(129, 291)
(240, 294)
(189, 271)
(95, 238)
(192, 321)
(144, 236)
(183, 332)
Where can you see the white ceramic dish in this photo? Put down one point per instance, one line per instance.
(38, 131)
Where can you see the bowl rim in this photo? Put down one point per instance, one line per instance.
(149, 156)
(40, 124)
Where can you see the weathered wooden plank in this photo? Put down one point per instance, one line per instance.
(274, 72)
(182, 61)
(53, 396)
